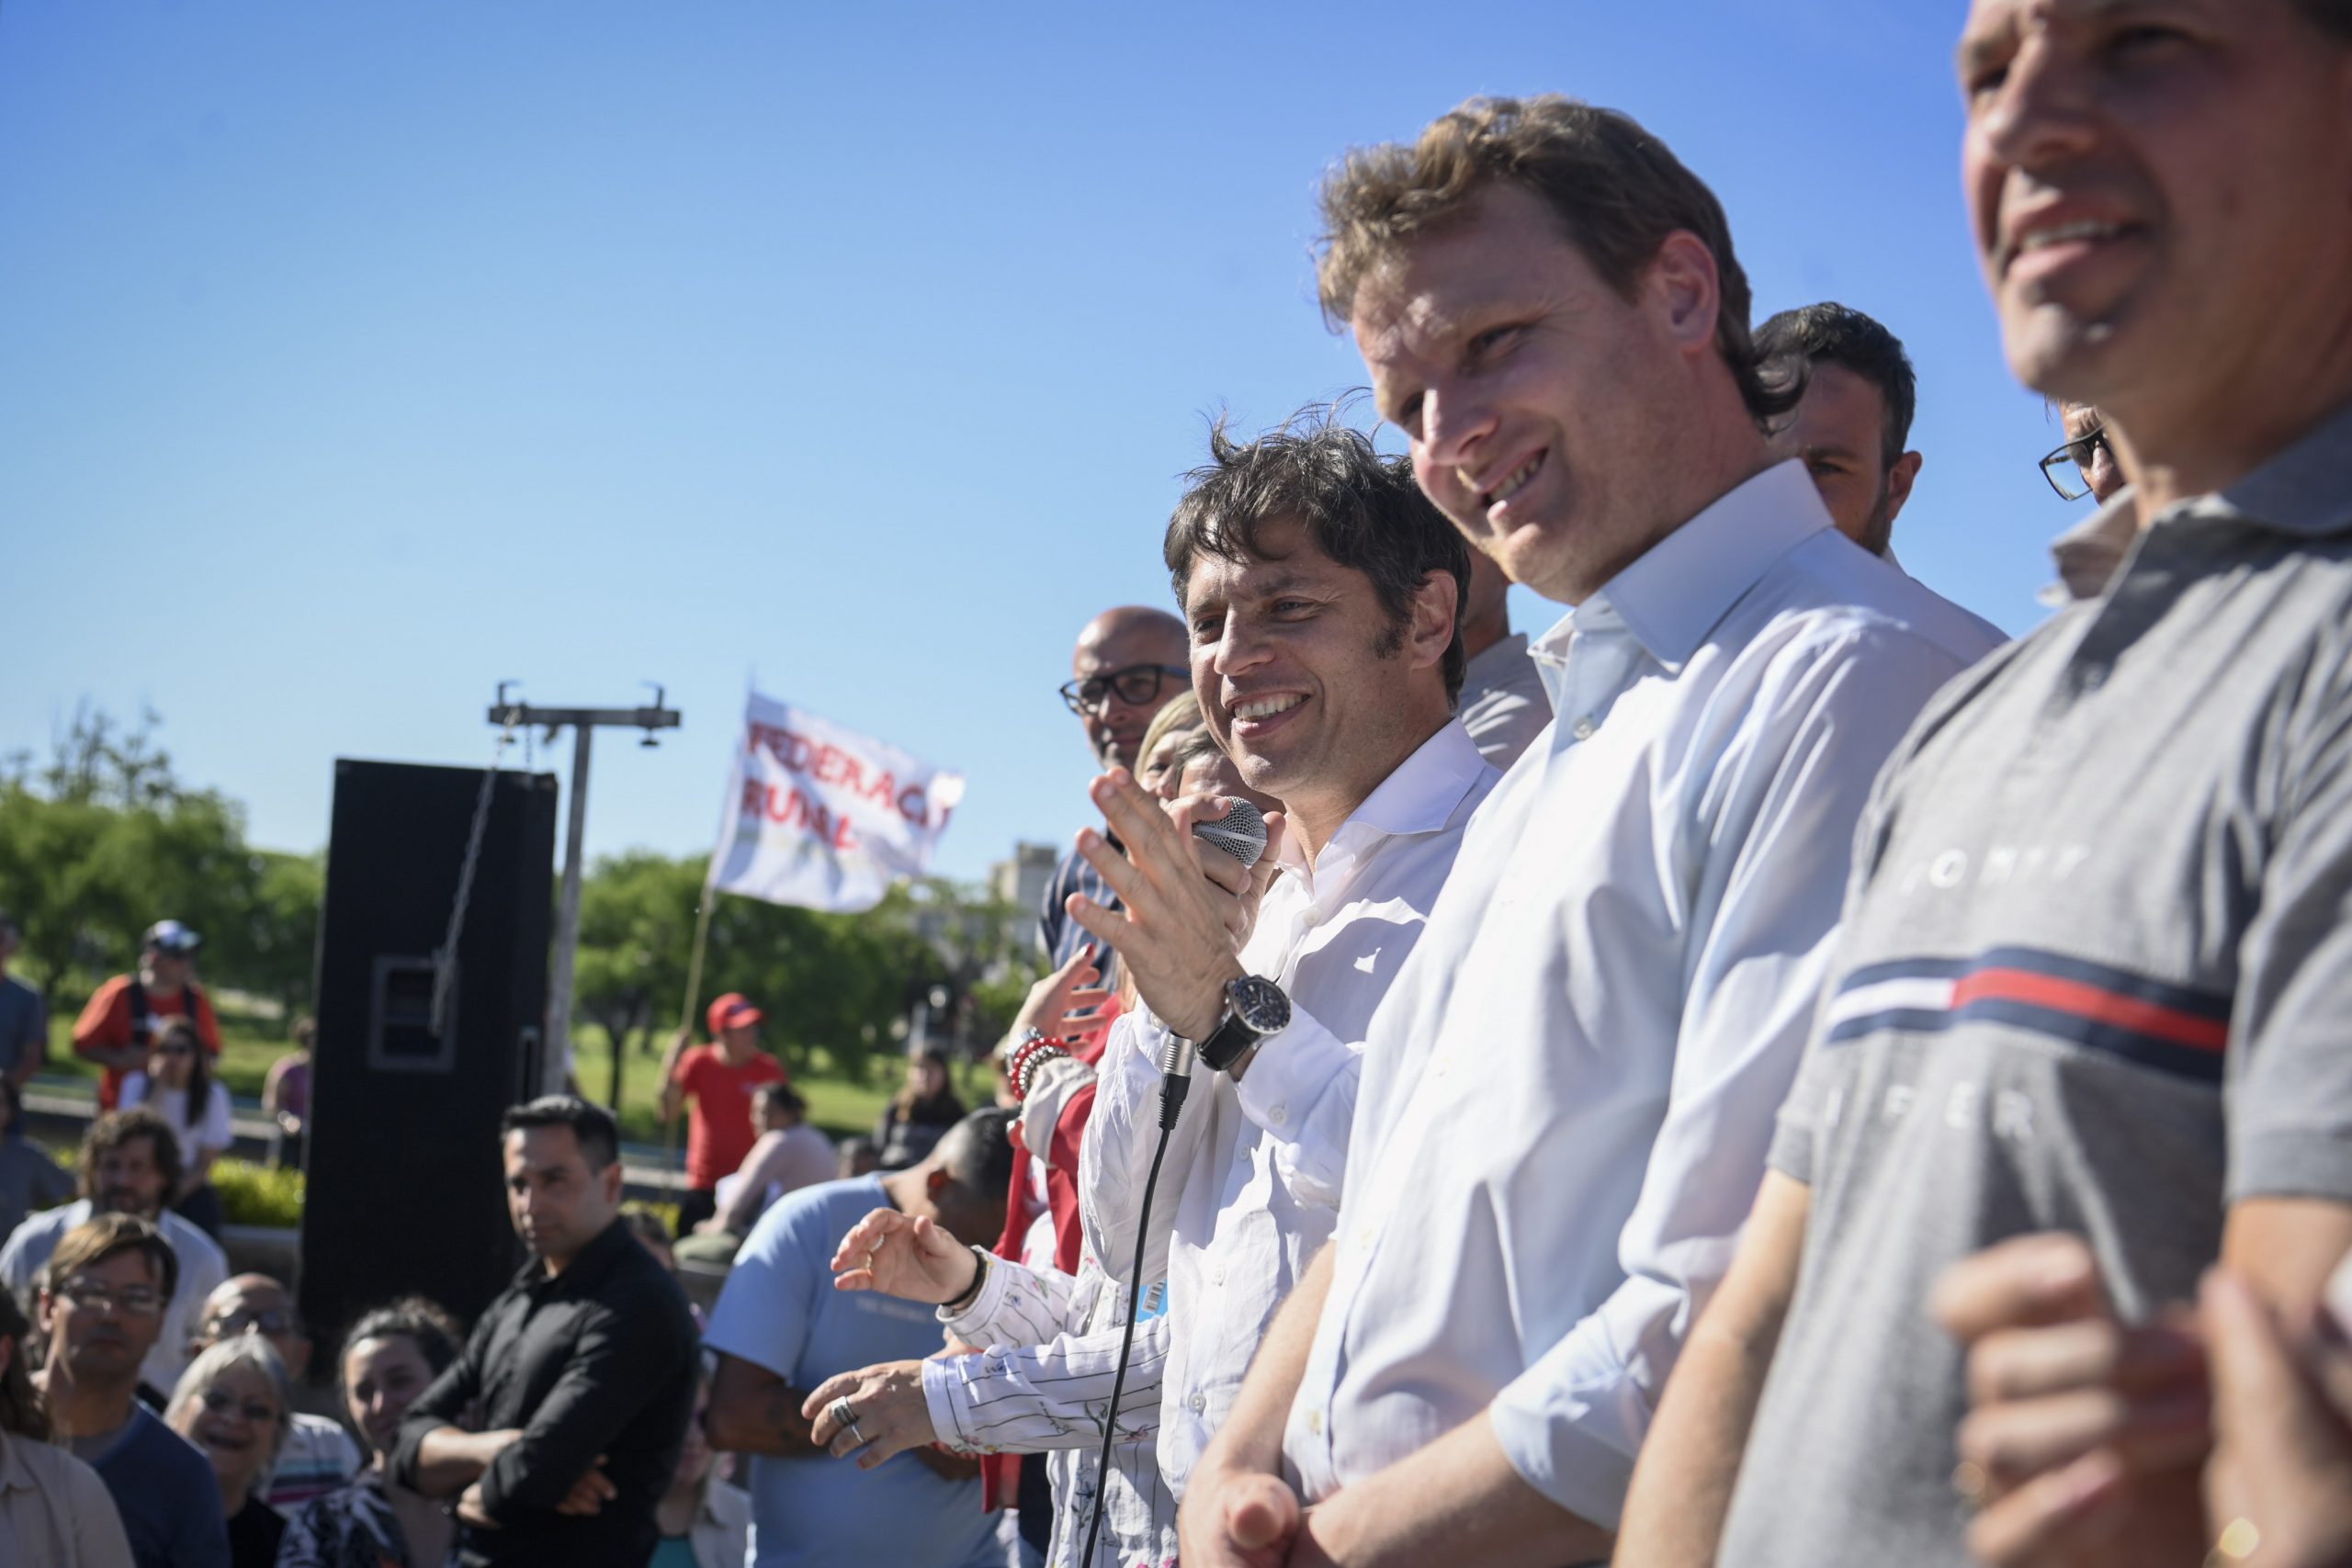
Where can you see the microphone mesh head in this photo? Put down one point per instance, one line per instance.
(1240, 832)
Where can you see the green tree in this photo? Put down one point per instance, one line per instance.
(637, 917)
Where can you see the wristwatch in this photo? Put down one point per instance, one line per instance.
(1254, 1008)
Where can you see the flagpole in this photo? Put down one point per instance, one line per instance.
(686, 1014)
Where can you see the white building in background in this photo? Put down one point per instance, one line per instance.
(1023, 880)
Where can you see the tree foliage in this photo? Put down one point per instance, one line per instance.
(101, 838)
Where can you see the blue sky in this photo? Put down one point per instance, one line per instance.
(354, 358)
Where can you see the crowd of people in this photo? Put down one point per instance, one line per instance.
(1765, 1071)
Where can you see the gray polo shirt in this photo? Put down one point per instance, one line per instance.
(2096, 975)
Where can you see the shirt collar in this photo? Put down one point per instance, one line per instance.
(1418, 795)
(2088, 554)
(2301, 491)
(588, 1270)
(1679, 590)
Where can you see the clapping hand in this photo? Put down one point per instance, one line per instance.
(1176, 926)
(907, 1258)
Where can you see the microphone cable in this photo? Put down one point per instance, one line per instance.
(1176, 1081)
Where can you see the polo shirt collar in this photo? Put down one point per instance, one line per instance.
(1679, 590)
(2301, 491)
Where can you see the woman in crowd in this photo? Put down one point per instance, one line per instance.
(922, 1112)
(181, 1088)
(703, 1525)
(29, 1180)
(53, 1509)
(232, 1402)
(392, 1355)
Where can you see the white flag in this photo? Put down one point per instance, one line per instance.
(824, 817)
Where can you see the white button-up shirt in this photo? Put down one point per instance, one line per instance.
(1568, 1093)
(1248, 1188)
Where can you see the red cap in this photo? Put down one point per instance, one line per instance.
(731, 1012)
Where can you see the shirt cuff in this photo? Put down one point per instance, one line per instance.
(974, 1325)
(940, 1384)
(1572, 1422)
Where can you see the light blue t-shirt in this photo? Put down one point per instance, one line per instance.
(779, 1311)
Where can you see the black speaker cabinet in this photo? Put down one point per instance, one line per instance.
(404, 1179)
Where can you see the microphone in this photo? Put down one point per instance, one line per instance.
(1240, 832)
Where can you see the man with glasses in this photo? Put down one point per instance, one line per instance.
(2085, 464)
(131, 1165)
(1130, 663)
(317, 1455)
(101, 1309)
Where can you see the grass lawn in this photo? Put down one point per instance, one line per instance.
(842, 1105)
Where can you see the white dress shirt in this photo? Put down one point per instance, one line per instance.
(202, 1267)
(1248, 1190)
(1568, 1093)
(1504, 704)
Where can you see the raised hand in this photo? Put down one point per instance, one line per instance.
(1056, 1003)
(1172, 929)
(911, 1258)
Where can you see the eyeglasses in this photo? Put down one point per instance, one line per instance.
(1134, 685)
(2068, 468)
(131, 1300)
(275, 1320)
(220, 1401)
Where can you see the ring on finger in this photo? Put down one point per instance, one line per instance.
(856, 1436)
(845, 1415)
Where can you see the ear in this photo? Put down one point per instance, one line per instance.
(614, 1178)
(1899, 479)
(1428, 626)
(1687, 291)
(937, 1182)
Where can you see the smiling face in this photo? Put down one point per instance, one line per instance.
(2158, 190)
(381, 1378)
(1306, 683)
(235, 1421)
(1546, 411)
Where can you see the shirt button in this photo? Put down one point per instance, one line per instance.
(1583, 731)
(1216, 1275)
(1278, 1115)
(1315, 1422)
(1200, 1403)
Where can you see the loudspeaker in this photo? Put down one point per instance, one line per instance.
(405, 1184)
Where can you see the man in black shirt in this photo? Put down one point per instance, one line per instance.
(582, 1371)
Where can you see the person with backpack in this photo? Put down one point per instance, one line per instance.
(120, 1027)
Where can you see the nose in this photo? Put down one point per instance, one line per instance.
(1454, 421)
(1238, 646)
(2043, 113)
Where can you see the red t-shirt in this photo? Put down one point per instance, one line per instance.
(105, 1025)
(719, 1128)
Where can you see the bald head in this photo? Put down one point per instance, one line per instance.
(1140, 641)
(255, 1303)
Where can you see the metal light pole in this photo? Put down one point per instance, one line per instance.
(584, 723)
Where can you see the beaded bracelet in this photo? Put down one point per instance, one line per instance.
(1027, 1058)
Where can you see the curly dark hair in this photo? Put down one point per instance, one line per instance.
(116, 1128)
(1362, 508)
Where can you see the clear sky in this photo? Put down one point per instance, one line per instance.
(356, 358)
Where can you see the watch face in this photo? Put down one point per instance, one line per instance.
(1260, 1004)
